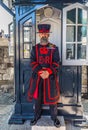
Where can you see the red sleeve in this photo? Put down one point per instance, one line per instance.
(55, 60)
(33, 61)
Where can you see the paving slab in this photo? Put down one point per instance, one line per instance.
(44, 123)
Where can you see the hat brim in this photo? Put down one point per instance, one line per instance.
(43, 32)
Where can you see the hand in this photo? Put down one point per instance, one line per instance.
(44, 74)
(40, 72)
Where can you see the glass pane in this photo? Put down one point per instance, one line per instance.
(70, 33)
(71, 16)
(28, 23)
(81, 51)
(27, 34)
(11, 33)
(70, 51)
(82, 33)
(27, 48)
(11, 40)
(82, 16)
(27, 38)
(28, 31)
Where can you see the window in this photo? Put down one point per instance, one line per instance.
(27, 38)
(75, 35)
(11, 39)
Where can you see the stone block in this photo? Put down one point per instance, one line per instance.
(3, 42)
(9, 64)
(1, 60)
(1, 52)
(84, 82)
(6, 60)
(6, 88)
(84, 78)
(6, 77)
(11, 59)
(2, 71)
(9, 75)
(84, 67)
(3, 66)
(10, 72)
(6, 53)
(0, 76)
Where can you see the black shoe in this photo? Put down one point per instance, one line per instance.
(57, 122)
(34, 121)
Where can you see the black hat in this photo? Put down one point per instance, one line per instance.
(44, 28)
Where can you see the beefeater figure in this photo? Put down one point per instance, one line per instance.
(44, 86)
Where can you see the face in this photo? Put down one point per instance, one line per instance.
(44, 37)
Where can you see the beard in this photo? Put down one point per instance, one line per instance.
(44, 40)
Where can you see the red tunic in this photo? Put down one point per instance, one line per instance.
(47, 57)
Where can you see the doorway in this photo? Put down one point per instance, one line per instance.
(52, 16)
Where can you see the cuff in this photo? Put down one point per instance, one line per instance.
(49, 70)
(39, 72)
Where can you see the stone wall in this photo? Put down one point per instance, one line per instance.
(84, 80)
(6, 69)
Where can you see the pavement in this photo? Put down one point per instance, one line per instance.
(7, 107)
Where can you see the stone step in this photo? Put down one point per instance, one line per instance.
(45, 123)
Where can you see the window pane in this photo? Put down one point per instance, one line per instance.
(82, 16)
(70, 51)
(28, 30)
(28, 23)
(11, 40)
(27, 38)
(82, 33)
(70, 33)
(71, 16)
(27, 49)
(81, 51)
(26, 34)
